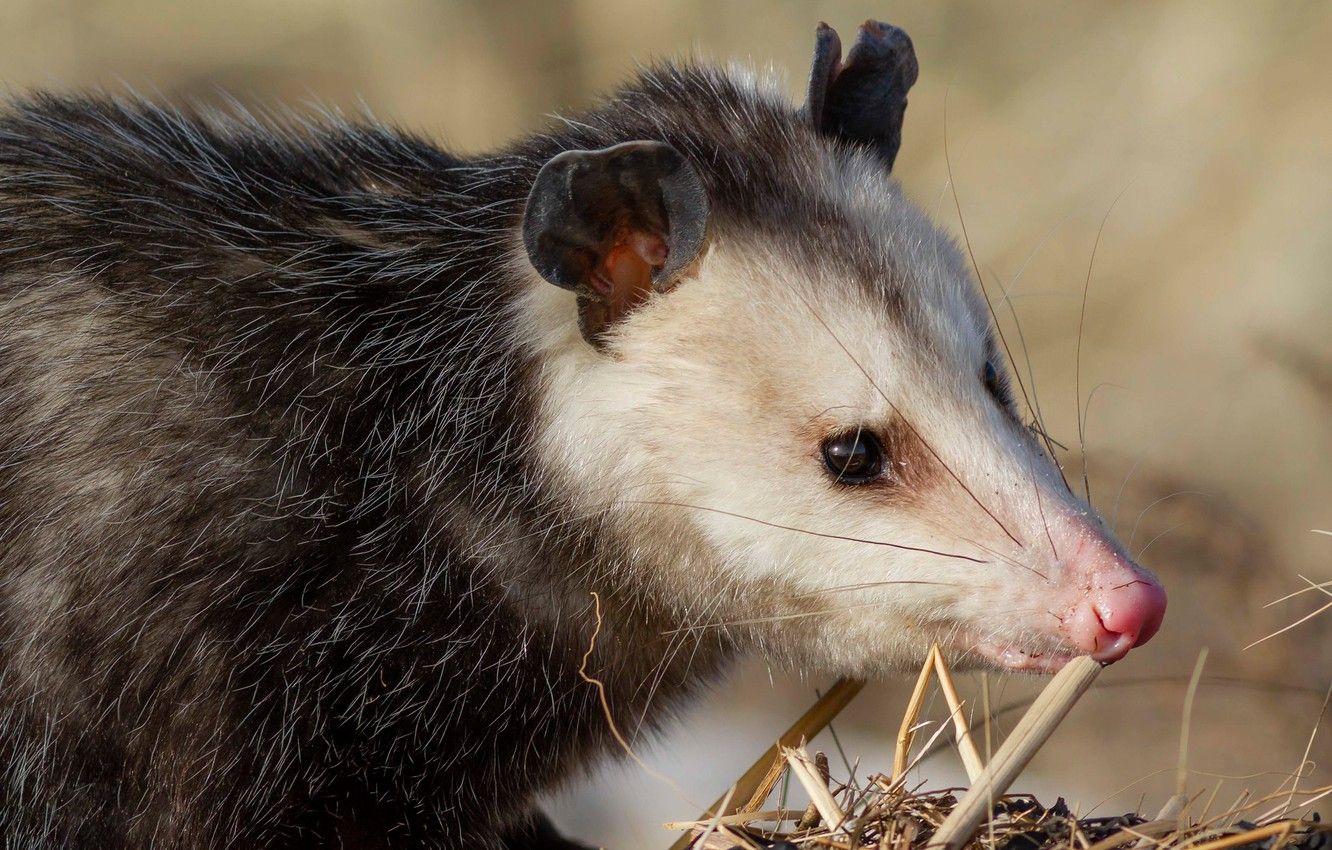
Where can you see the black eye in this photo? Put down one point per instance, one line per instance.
(854, 457)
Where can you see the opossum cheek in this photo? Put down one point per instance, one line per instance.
(1120, 607)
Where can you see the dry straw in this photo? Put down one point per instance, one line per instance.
(883, 813)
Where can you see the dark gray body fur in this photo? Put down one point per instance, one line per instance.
(268, 525)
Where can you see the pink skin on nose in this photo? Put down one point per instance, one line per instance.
(1122, 606)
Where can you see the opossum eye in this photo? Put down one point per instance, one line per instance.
(853, 457)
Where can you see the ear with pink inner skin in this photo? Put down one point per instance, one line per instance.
(615, 225)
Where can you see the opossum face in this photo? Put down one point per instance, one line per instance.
(798, 424)
(853, 451)
(836, 468)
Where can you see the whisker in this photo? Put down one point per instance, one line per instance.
(546, 530)
(1114, 522)
(999, 331)
(865, 585)
(1031, 255)
(1086, 410)
(1034, 405)
(1077, 362)
(1035, 428)
(1006, 559)
(980, 280)
(1164, 498)
(1008, 298)
(1143, 550)
(826, 535)
(778, 618)
(1040, 507)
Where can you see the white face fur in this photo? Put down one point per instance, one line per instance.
(701, 431)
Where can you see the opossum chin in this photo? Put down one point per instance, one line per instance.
(973, 647)
(963, 648)
(1025, 656)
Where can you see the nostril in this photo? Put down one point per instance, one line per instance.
(1114, 647)
(1135, 609)
(1111, 621)
(1111, 645)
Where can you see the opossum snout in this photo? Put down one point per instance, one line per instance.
(1121, 608)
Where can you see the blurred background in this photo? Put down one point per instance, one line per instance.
(1199, 133)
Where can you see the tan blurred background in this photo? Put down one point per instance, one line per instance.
(1206, 339)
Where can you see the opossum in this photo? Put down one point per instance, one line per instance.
(324, 453)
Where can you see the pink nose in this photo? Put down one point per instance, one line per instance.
(1114, 618)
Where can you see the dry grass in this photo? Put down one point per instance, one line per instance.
(880, 810)
(881, 816)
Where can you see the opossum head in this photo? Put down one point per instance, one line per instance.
(779, 387)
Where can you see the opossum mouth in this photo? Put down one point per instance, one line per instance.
(1014, 657)
(1019, 660)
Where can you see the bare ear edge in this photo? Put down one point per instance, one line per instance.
(823, 70)
(863, 98)
(614, 225)
(560, 217)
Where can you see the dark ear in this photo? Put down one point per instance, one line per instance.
(615, 225)
(864, 98)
